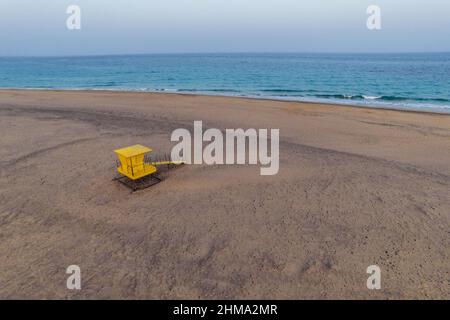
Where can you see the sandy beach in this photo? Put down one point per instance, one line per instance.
(356, 187)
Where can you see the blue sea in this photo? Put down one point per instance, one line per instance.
(407, 81)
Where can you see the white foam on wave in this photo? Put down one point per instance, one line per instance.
(371, 97)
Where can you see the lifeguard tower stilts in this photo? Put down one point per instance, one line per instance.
(137, 170)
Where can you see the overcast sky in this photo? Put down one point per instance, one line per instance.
(38, 27)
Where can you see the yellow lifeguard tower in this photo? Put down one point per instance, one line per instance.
(137, 171)
(132, 164)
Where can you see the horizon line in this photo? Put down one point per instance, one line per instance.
(217, 52)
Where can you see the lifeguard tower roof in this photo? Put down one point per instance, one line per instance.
(133, 151)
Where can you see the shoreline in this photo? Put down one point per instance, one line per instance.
(431, 111)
